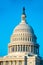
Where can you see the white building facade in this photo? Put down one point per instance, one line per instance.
(23, 48)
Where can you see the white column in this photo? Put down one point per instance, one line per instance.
(30, 48)
(10, 49)
(17, 63)
(13, 63)
(9, 62)
(22, 48)
(4, 62)
(23, 63)
(25, 48)
(17, 48)
(14, 48)
(29, 39)
(20, 63)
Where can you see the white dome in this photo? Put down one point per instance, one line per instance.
(23, 39)
(23, 30)
(23, 26)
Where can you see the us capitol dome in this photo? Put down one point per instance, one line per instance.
(23, 40)
(23, 48)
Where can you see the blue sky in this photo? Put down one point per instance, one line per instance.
(10, 16)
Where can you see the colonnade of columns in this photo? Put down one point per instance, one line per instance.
(21, 48)
(24, 48)
(12, 62)
(35, 49)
